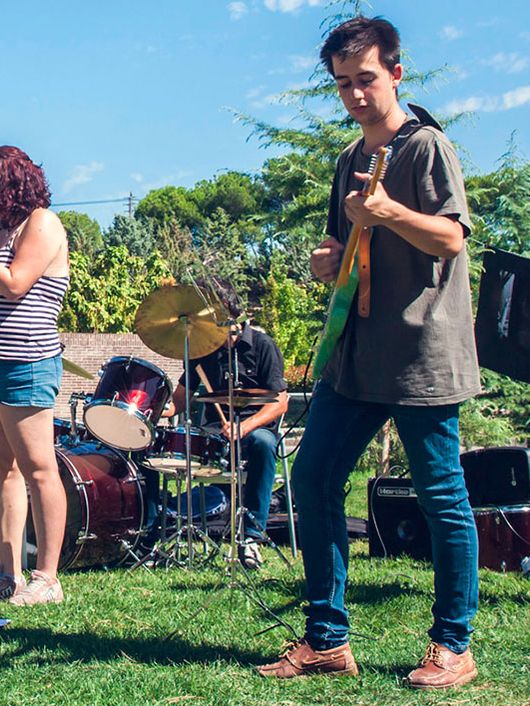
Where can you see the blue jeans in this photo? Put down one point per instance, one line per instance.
(337, 432)
(259, 450)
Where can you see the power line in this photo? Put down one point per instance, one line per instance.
(87, 203)
(129, 202)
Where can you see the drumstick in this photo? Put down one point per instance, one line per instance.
(209, 388)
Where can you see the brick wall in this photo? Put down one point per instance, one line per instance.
(91, 350)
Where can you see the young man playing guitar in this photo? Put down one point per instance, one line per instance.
(407, 352)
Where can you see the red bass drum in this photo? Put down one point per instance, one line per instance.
(105, 508)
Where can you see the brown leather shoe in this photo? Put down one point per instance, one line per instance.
(300, 660)
(441, 668)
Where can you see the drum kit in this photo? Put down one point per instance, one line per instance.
(101, 458)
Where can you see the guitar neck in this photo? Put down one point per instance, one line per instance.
(356, 230)
(348, 256)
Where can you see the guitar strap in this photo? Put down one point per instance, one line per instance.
(423, 117)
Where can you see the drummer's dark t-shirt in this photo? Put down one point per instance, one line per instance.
(259, 365)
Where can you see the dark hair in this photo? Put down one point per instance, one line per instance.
(226, 293)
(357, 35)
(23, 187)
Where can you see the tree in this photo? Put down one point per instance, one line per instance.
(84, 233)
(137, 236)
(170, 203)
(106, 291)
(239, 195)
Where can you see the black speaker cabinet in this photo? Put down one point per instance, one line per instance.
(395, 519)
(499, 475)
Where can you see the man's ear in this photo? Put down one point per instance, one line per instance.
(397, 75)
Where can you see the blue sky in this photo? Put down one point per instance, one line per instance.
(119, 96)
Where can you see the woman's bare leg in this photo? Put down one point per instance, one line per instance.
(29, 432)
(13, 510)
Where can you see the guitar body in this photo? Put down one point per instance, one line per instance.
(338, 312)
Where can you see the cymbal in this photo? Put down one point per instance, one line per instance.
(164, 317)
(241, 398)
(75, 369)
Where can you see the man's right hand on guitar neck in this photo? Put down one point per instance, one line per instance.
(326, 258)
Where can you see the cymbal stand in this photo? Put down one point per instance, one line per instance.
(189, 528)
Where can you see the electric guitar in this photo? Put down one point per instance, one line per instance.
(348, 277)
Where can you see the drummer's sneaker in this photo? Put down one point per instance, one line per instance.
(249, 554)
(10, 586)
(40, 589)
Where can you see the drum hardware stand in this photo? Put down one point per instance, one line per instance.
(170, 549)
(246, 584)
(74, 399)
(242, 511)
(189, 528)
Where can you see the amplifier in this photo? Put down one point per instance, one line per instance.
(396, 521)
(499, 475)
(395, 518)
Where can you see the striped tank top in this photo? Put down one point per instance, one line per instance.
(28, 326)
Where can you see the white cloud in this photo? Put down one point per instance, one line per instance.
(290, 5)
(137, 177)
(237, 10)
(517, 97)
(297, 64)
(301, 63)
(511, 63)
(82, 174)
(450, 32)
(490, 104)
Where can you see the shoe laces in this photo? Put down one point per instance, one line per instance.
(432, 654)
(35, 583)
(288, 646)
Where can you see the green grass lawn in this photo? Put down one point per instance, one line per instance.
(107, 643)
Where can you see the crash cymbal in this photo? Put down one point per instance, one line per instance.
(75, 369)
(240, 398)
(167, 313)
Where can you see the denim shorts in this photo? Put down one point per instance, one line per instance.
(30, 384)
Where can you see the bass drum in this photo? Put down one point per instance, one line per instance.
(105, 508)
(503, 536)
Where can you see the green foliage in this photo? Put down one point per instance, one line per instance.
(105, 291)
(170, 203)
(137, 236)
(290, 314)
(237, 194)
(84, 233)
(501, 205)
(222, 251)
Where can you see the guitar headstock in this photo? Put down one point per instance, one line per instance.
(377, 167)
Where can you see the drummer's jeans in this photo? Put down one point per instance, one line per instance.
(259, 450)
(337, 432)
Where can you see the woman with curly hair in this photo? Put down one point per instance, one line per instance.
(33, 281)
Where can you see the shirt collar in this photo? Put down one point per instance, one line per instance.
(247, 335)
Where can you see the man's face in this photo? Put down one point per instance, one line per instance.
(366, 87)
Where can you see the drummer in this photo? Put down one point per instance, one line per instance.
(259, 364)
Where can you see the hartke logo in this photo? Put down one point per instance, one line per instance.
(397, 492)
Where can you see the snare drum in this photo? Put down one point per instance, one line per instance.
(127, 403)
(208, 451)
(105, 508)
